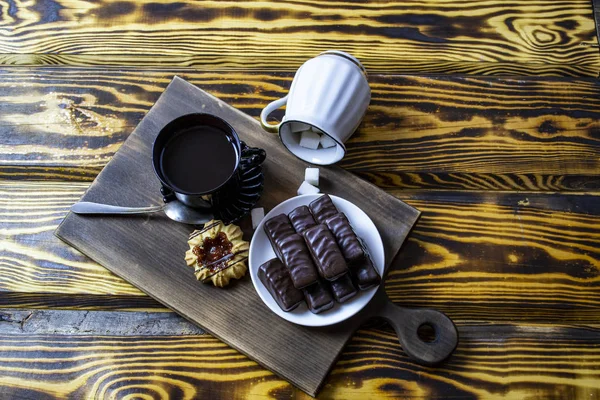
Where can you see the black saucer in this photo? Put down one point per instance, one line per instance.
(238, 206)
(234, 207)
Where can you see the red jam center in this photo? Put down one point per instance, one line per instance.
(213, 249)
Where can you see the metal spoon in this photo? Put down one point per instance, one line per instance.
(174, 209)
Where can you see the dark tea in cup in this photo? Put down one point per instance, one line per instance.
(197, 157)
(190, 145)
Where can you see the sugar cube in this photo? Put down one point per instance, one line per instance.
(315, 129)
(307, 188)
(296, 127)
(311, 175)
(310, 140)
(327, 141)
(257, 215)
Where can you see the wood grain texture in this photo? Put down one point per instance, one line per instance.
(29, 245)
(517, 257)
(151, 247)
(529, 257)
(596, 8)
(517, 271)
(429, 132)
(281, 35)
(90, 323)
(407, 66)
(494, 361)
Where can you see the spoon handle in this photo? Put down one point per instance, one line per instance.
(86, 207)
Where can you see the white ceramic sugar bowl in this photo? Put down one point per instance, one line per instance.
(329, 92)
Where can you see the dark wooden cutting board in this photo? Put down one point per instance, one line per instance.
(148, 251)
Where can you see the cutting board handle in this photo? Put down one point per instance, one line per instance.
(407, 322)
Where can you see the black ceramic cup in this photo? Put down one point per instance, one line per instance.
(197, 158)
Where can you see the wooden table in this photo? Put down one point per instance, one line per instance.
(485, 116)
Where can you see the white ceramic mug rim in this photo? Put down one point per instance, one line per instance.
(342, 145)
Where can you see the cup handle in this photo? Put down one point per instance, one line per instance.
(252, 156)
(272, 106)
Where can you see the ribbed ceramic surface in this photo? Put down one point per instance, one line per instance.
(330, 92)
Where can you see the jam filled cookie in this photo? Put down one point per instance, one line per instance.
(218, 253)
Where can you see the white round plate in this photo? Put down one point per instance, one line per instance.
(261, 251)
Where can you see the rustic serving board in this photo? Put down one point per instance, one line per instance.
(148, 251)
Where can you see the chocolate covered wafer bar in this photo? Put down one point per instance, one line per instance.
(301, 219)
(276, 279)
(322, 208)
(318, 298)
(343, 288)
(345, 237)
(277, 229)
(325, 252)
(365, 274)
(296, 258)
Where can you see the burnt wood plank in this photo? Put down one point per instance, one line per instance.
(420, 132)
(507, 360)
(596, 8)
(40, 298)
(411, 67)
(94, 323)
(282, 34)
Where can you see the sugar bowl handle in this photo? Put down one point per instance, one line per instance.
(407, 322)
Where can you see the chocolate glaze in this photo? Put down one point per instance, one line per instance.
(318, 298)
(325, 252)
(322, 208)
(343, 288)
(301, 219)
(277, 229)
(364, 273)
(277, 280)
(345, 237)
(296, 258)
